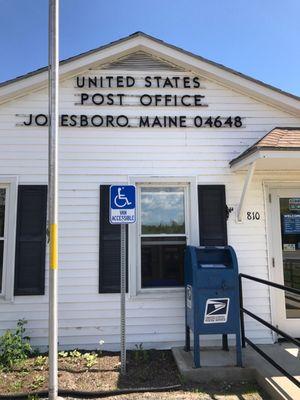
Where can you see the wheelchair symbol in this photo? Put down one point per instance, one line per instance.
(121, 200)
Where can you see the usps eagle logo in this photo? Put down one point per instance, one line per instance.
(216, 311)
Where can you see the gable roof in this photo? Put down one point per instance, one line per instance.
(140, 61)
(141, 41)
(278, 139)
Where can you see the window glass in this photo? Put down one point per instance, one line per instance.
(162, 261)
(162, 210)
(162, 257)
(2, 221)
(290, 237)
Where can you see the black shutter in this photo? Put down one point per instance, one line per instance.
(31, 240)
(109, 252)
(212, 215)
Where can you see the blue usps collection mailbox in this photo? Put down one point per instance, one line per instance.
(212, 295)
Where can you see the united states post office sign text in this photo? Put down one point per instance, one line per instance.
(138, 94)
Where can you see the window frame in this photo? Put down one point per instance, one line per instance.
(11, 186)
(191, 231)
(163, 235)
(4, 237)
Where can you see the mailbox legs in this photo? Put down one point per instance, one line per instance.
(196, 350)
(225, 342)
(239, 361)
(187, 339)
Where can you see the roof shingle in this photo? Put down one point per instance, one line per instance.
(287, 138)
(281, 137)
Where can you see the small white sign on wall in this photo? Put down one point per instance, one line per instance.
(189, 296)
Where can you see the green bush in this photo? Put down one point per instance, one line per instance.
(14, 346)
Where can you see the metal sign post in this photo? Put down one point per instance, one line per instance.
(53, 193)
(122, 211)
(123, 299)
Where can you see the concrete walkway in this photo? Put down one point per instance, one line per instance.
(220, 365)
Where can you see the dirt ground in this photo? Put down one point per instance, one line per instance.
(214, 391)
(92, 372)
(101, 372)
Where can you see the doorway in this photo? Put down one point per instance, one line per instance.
(285, 265)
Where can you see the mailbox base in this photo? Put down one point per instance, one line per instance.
(217, 366)
(225, 347)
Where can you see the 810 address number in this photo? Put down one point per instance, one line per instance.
(253, 215)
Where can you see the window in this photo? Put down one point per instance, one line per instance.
(8, 196)
(2, 232)
(163, 235)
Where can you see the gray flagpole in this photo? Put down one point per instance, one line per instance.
(53, 194)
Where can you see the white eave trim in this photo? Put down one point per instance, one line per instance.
(264, 154)
(168, 52)
(223, 76)
(67, 69)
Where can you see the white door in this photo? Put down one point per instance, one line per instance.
(285, 224)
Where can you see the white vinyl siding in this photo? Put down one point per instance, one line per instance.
(89, 157)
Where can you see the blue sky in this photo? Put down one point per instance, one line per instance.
(260, 38)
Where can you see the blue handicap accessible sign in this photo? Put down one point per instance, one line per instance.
(122, 201)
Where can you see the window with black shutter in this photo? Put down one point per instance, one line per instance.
(212, 215)
(109, 252)
(163, 234)
(31, 240)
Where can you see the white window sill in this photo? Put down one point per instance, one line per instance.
(5, 300)
(157, 294)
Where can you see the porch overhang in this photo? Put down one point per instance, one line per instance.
(268, 159)
(278, 150)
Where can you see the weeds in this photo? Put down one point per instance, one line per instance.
(63, 354)
(140, 354)
(16, 386)
(23, 373)
(91, 359)
(40, 361)
(37, 382)
(75, 354)
(14, 346)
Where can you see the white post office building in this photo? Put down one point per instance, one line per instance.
(215, 157)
